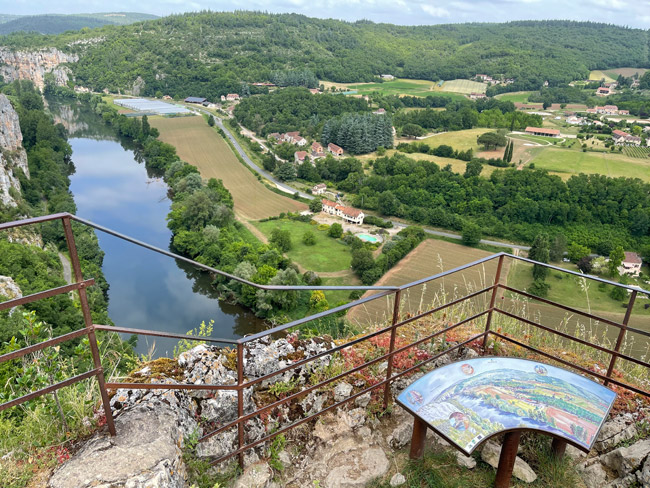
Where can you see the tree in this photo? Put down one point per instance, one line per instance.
(318, 302)
(539, 288)
(471, 234)
(281, 239)
(492, 140)
(412, 130)
(388, 203)
(540, 252)
(316, 205)
(286, 172)
(473, 168)
(335, 230)
(576, 252)
(210, 120)
(558, 248)
(616, 257)
(584, 265)
(308, 238)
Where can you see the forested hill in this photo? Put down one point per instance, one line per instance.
(55, 24)
(198, 54)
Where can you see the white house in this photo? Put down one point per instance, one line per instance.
(319, 189)
(631, 265)
(349, 214)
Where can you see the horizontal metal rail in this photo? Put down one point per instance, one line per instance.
(49, 389)
(42, 345)
(41, 295)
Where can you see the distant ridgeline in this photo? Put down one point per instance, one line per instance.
(210, 54)
(56, 24)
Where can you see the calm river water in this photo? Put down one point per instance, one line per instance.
(147, 290)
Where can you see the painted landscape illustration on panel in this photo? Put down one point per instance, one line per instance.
(470, 401)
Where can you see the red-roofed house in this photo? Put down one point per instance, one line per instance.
(295, 138)
(623, 138)
(539, 131)
(329, 206)
(603, 91)
(319, 189)
(314, 91)
(299, 156)
(349, 214)
(317, 150)
(334, 149)
(623, 112)
(631, 265)
(380, 111)
(608, 110)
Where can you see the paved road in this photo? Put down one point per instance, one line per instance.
(286, 188)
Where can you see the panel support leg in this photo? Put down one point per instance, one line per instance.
(417, 439)
(507, 459)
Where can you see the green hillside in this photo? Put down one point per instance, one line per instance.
(56, 24)
(195, 54)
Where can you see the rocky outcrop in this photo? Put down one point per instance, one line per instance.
(34, 65)
(9, 288)
(12, 155)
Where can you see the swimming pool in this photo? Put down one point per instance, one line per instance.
(368, 238)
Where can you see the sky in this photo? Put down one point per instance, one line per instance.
(632, 13)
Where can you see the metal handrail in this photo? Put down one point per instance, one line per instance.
(382, 291)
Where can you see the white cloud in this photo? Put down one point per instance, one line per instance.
(435, 11)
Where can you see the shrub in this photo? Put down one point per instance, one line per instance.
(308, 238)
(335, 231)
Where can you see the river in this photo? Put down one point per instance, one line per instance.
(147, 290)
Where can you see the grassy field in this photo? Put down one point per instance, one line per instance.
(416, 88)
(573, 161)
(326, 256)
(464, 86)
(538, 139)
(429, 258)
(460, 140)
(202, 146)
(598, 75)
(627, 72)
(515, 97)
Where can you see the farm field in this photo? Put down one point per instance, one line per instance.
(520, 97)
(598, 75)
(571, 161)
(464, 86)
(627, 72)
(429, 258)
(416, 88)
(538, 139)
(637, 152)
(200, 145)
(327, 255)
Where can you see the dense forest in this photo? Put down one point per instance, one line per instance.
(56, 24)
(593, 210)
(209, 54)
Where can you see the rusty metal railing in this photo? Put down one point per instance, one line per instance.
(398, 320)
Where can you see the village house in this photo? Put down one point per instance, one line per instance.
(314, 91)
(275, 135)
(623, 112)
(603, 91)
(635, 84)
(319, 189)
(349, 214)
(624, 139)
(485, 78)
(610, 84)
(476, 96)
(592, 111)
(334, 149)
(539, 131)
(295, 138)
(166, 97)
(575, 120)
(387, 77)
(231, 97)
(317, 150)
(631, 265)
(380, 111)
(608, 110)
(195, 100)
(299, 156)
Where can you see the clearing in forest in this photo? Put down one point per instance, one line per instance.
(460, 140)
(200, 145)
(515, 97)
(431, 257)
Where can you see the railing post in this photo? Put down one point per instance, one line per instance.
(495, 288)
(240, 400)
(85, 309)
(621, 335)
(391, 347)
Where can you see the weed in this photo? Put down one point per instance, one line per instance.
(277, 446)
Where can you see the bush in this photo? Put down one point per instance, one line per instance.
(308, 238)
(335, 231)
(539, 288)
(471, 234)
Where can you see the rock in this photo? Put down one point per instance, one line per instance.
(363, 400)
(643, 475)
(490, 454)
(341, 391)
(594, 475)
(626, 460)
(614, 432)
(13, 157)
(626, 482)
(574, 453)
(145, 452)
(34, 65)
(398, 479)
(138, 86)
(255, 476)
(9, 288)
(401, 435)
(355, 467)
(465, 461)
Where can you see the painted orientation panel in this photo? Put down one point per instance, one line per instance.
(471, 400)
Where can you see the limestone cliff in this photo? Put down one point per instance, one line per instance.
(12, 155)
(34, 65)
